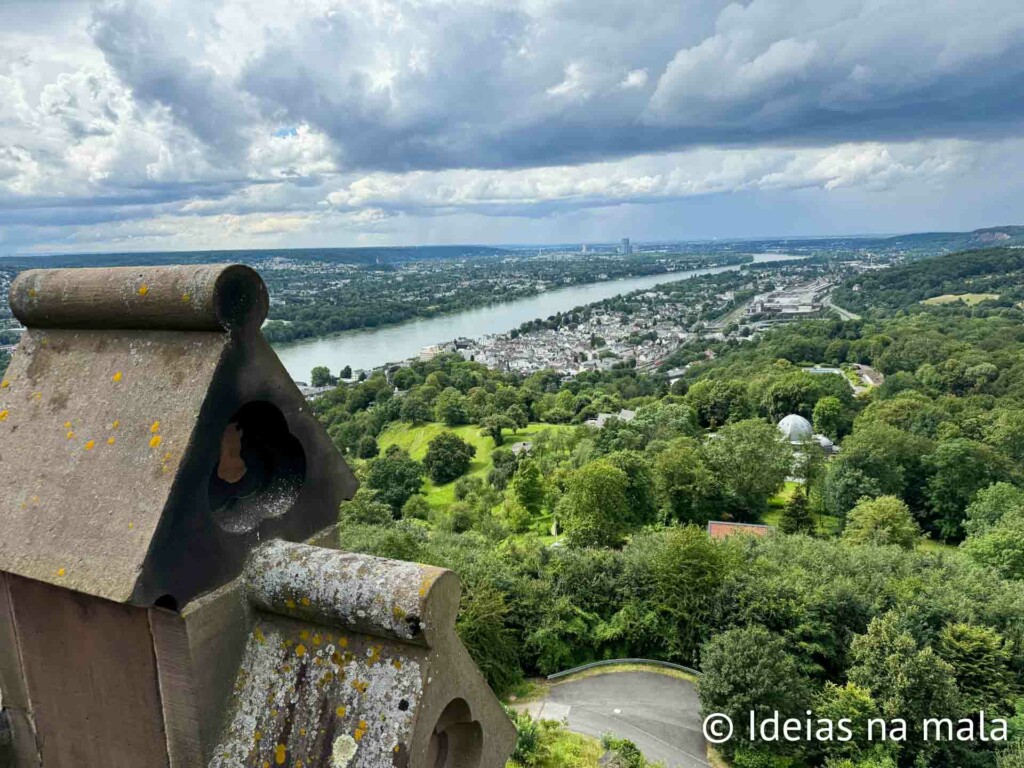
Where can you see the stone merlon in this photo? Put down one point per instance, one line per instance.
(170, 590)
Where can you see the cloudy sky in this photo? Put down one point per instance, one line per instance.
(177, 124)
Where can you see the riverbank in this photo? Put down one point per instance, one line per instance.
(371, 348)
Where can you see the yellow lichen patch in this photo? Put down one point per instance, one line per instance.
(425, 584)
(373, 655)
(304, 634)
(260, 637)
(398, 612)
(258, 735)
(116, 424)
(143, 289)
(37, 395)
(111, 440)
(397, 663)
(360, 731)
(4, 384)
(155, 427)
(117, 376)
(302, 731)
(67, 425)
(266, 763)
(304, 601)
(89, 445)
(340, 711)
(4, 414)
(343, 642)
(71, 435)
(360, 686)
(185, 297)
(155, 441)
(280, 754)
(289, 602)
(62, 572)
(130, 525)
(317, 639)
(300, 650)
(32, 293)
(286, 668)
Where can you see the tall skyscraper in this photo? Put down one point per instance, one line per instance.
(625, 247)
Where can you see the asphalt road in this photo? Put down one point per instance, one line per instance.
(658, 713)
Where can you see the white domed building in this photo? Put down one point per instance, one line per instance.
(798, 430)
(795, 428)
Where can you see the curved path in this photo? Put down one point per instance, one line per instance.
(659, 713)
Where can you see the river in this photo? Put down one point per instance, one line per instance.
(372, 347)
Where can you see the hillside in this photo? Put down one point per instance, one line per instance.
(961, 241)
(971, 274)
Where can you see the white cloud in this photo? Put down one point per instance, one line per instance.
(237, 123)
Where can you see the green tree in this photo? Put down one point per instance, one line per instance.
(594, 507)
(493, 426)
(321, 377)
(1000, 547)
(992, 504)
(796, 517)
(405, 378)
(640, 498)
(395, 476)
(415, 408)
(450, 408)
(906, 681)
(448, 457)
(751, 670)
(346, 372)
(669, 588)
(482, 629)
(504, 466)
(682, 482)
(959, 469)
(528, 487)
(367, 447)
(750, 462)
(982, 666)
(416, 508)
(830, 417)
(851, 702)
(885, 520)
(717, 402)
(518, 416)
(365, 509)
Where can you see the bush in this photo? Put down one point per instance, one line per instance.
(885, 520)
(365, 509)
(416, 508)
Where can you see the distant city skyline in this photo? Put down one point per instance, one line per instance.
(141, 125)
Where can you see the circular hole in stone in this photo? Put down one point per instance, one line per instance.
(260, 469)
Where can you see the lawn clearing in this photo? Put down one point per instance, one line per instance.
(970, 299)
(415, 440)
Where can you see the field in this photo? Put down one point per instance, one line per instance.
(416, 439)
(970, 299)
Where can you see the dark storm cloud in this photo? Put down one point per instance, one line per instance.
(168, 116)
(154, 56)
(430, 86)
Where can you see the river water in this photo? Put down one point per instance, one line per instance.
(372, 347)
